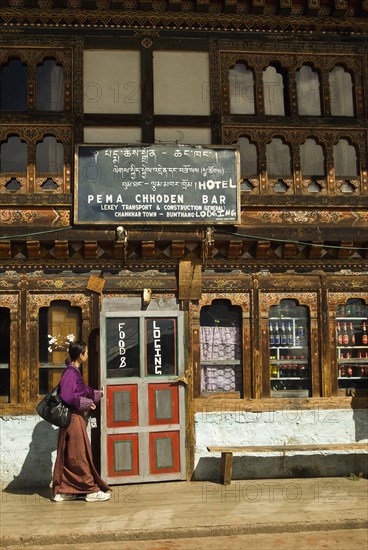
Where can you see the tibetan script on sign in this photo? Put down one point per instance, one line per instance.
(157, 184)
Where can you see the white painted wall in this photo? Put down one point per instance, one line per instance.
(28, 445)
(278, 428)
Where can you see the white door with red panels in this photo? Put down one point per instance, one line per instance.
(143, 411)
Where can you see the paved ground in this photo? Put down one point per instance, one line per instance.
(355, 539)
(182, 510)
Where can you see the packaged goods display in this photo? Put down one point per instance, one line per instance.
(289, 350)
(352, 345)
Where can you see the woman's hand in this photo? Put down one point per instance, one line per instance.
(93, 406)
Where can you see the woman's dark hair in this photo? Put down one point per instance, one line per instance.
(76, 349)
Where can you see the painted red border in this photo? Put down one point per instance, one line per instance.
(153, 436)
(174, 402)
(110, 455)
(110, 390)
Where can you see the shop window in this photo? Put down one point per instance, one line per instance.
(220, 345)
(241, 85)
(13, 156)
(278, 158)
(289, 341)
(345, 159)
(273, 92)
(308, 92)
(341, 92)
(49, 156)
(14, 86)
(4, 355)
(49, 86)
(59, 324)
(352, 344)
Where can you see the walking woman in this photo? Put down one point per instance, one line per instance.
(74, 471)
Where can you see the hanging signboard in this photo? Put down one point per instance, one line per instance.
(156, 184)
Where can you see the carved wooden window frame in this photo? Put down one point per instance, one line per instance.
(243, 300)
(33, 57)
(34, 303)
(306, 299)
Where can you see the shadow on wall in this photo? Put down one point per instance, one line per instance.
(37, 468)
(360, 416)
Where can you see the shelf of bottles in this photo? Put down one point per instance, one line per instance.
(289, 350)
(352, 344)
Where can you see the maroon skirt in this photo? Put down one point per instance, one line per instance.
(74, 471)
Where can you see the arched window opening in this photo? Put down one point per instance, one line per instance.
(341, 92)
(308, 92)
(13, 156)
(49, 157)
(248, 163)
(312, 159)
(221, 345)
(14, 86)
(273, 92)
(241, 84)
(59, 324)
(278, 158)
(345, 160)
(49, 86)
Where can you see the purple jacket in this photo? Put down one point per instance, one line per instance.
(74, 391)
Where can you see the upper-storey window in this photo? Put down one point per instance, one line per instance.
(341, 92)
(5, 355)
(278, 158)
(49, 156)
(241, 84)
(308, 92)
(49, 86)
(13, 156)
(312, 159)
(14, 86)
(273, 92)
(345, 160)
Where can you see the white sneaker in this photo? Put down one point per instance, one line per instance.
(58, 498)
(98, 497)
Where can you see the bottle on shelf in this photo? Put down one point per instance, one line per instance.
(345, 335)
(364, 335)
(339, 333)
(283, 338)
(351, 333)
(299, 337)
(289, 334)
(272, 338)
(277, 334)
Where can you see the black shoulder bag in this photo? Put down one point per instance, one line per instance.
(54, 410)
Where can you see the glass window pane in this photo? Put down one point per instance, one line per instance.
(341, 92)
(241, 84)
(161, 346)
(49, 156)
(221, 369)
(122, 347)
(352, 344)
(14, 86)
(307, 83)
(13, 156)
(49, 87)
(273, 92)
(289, 350)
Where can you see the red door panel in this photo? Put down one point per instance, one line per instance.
(122, 406)
(163, 404)
(122, 455)
(164, 450)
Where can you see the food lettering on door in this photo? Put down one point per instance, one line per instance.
(122, 348)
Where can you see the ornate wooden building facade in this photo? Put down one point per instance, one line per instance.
(266, 315)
